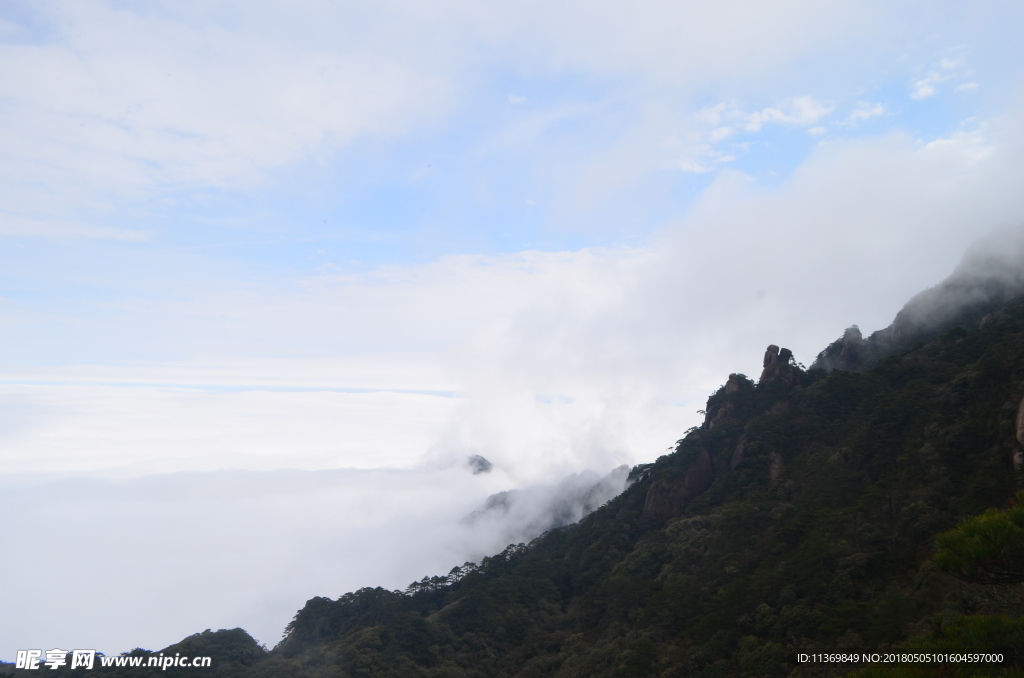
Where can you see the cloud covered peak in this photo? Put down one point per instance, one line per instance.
(523, 515)
(990, 273)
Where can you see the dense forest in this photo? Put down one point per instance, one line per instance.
(866, 504)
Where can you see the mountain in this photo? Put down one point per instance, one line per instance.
(801, 517)
(990, 275)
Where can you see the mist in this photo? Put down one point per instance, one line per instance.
(150, 559)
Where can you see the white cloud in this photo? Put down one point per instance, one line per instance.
(972, 147)
(720, 133)
(599, 325)
(864, 111)
(692, 166)
(956, 57)
(222, 550)
(126, 431)
(925, 87)
(701, 154)
(798, 112)
(713, 115)
(949, 67)
(119, 103)
(55, 228)
(966, 87)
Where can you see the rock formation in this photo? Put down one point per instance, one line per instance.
(778, 366)
(669, 499)
(1018, 452)
(718, 415)
(478, 464)
(722, 410)
(737, 455)
(774, 466)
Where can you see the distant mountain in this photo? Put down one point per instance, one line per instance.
(800, 518)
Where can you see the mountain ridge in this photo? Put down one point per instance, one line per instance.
(989, 275)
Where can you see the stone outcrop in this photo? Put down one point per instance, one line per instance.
(1019, 422)
(778, 367)
(851, 348)
(478, 464)
(737, 455)
(667, 499)
(1018, 452)
(718, 415)
(774, 466)
(723, 410)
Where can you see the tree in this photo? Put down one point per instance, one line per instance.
(986, 549)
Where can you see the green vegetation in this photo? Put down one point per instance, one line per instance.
(807, 519)
(986, 549)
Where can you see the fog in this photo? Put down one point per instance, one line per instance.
(147, 560)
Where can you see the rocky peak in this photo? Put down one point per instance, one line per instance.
(721, 409)
(778, 366)
(735, 383)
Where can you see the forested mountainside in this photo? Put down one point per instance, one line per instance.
(802, 516)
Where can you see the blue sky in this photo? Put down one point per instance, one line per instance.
(261, 237)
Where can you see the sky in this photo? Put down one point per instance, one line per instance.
(270, 272)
